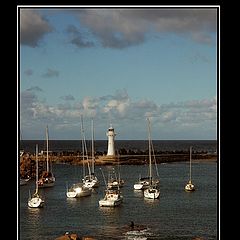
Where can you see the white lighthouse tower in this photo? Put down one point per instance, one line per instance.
(111, 135)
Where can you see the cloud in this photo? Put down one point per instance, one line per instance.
(117, 104)
(64, 106)
(28, 72)
(35, 88)
(76, 37)
(190, 112)
(202, 37)
(198, 57)
(128, 115)
(68, 98)
(89, 103)
(50, 73)
(27, 106)
(33, 27)
(33, 110)
(120, 28)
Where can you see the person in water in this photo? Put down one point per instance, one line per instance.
(132, 225)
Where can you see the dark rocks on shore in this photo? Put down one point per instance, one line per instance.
(27, 166)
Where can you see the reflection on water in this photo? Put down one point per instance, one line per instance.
(165, 218)
(110, 211)
(138, 193)
(34, 215)
(138, 234)
(151, 202)
(34, 219)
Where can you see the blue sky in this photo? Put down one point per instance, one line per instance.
(118, 66)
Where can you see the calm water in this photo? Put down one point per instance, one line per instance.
(176, 215)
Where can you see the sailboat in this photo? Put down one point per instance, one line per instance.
(91, 179)
(152, 191)
(113, 196)
(79, 189)
(47, 179)
(115, 181)
(190, 186)
(35, 201)
(144, 182)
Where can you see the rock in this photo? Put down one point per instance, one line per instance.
(69, 236)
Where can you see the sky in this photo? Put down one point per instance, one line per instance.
(118, 66)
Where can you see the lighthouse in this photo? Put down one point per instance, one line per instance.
(111, 135)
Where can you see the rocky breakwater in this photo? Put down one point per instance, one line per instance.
(27, 165)
(28, 160)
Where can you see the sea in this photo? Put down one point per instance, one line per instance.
(134, 145)
(177, 214)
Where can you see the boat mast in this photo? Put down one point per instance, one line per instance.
(149, 151)
(83, 160)
(119, 178)
(36, 168)
(84, 147)
(104, 178)
(93, 158)
(190, 172)
(47, 148)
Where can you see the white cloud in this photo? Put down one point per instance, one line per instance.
(191, 115)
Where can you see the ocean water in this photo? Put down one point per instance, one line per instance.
(175, 215)
(101, 145)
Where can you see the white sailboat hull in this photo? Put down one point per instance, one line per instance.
(71, 194)
(78, 190)
(190, 187)
(138, 186)
(151, 193)
(112, 198)
(35, 202)
(141, 185)
(110, 203)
